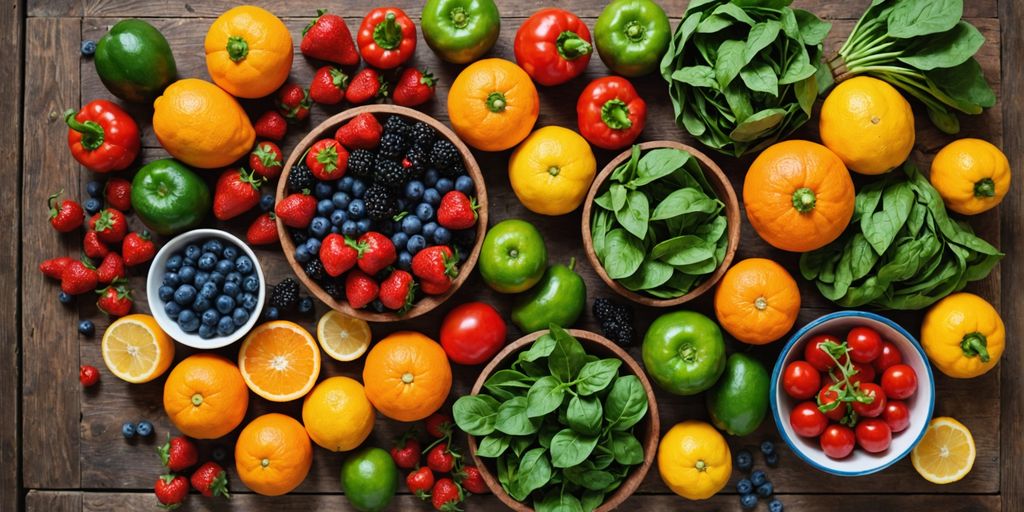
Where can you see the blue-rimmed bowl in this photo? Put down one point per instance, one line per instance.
(859, 462)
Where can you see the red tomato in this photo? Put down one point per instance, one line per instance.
(801, 380)
(827, 396)
(865, 344)
(807, 420)
(472, 333)
(896, 415)
(864, 373)
(873, 435)
(875, 408)
(899, 382)
(890, 356)
(817, 357)
(837, 441)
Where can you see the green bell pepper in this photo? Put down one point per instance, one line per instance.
(632, 36)
(169, 197)
(460, 31)
(134, 61)
(558, 299)
(684, 352)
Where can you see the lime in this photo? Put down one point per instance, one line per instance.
(369, 479)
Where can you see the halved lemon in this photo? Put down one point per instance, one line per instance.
(343, 337)
(280, 361)
(946, 452)
(136, 350)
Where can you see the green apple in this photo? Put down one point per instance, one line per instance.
(513, 256)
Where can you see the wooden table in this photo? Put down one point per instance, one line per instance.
(62, 449)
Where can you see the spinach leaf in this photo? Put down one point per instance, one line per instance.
(544, 396)
(761, 35)
(534, 472)
(880, 228)
(683, 250)
(584, 415)
(604, 200)
(760, 77)
(597, 375)
(569, 448)
(590, 500)
(586, 476)
(683, 201)
(658, 163)
(625, 254)
(912, 18)
(554, 501)
(509, 380)
(493, 446)
(626, 448)
(945, 50)
(651, 274)
(759, 124)
(599, 232)
(513, 420)
(812, 30)
(730, 62)
(618, 194)
(626, 404)
(475, 414)
(567, 358)
(635, 214)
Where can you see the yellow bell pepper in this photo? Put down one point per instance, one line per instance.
(971, 175)
(551, 170)
(963, 335)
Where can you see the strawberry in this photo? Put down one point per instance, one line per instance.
(116, 299)
(435, 264)
(414, 88)
(406, 452)
(296, 210)
(471, 480)
(441, 459)
(211, 480)
(111, 268)
(110, 225)
(339, 254)
(431, 288)
(293, 102)
(328, 87)
(365, 86)
(178, 453)
(64, 216)
(327, 38)
(93, 247)
(457, 211)
(171, 491)
(360, 289)
(439, 425)
(327, 159)
(118, 193)
(446, 495)
(420, 482)
(379, 252)
(263, 230)
(271, 125)
(237, 192)
(266, 160)
(78, 278)
(398, 291)
(361, 132)
(88, 375)
(54, 267)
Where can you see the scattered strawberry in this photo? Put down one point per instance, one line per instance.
(327, 160)
(78, 278)
(365, 86)
(266, 160)
(178, 453)
(414, 88)
(328, 87)
(339, 254)
(406, 452)
(471, 479)
(237, 192)
(457, 211)
(263, 230)
(54, 267)
(293, 102)
(137, 248)
(211, 480)
(420, 482)
(327, 38)
(431, 288)
(64, 216)
(446, 495)
(88, 375)
(93, 247)
(398, 291)
(118, 193)
(296, 210)
(171, 491)
(440, 458)
(435, 264)
(439, 425)
(116, 299)
(379, 252)
(111, 268)
(360, 289)
(271, 125)
(361, 132)
(110, 225)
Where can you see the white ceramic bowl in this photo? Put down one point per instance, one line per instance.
(156, 277)
(859, 462)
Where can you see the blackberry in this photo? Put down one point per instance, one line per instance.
(443, 154)
(392, 146)
(298, 237)
(391, 173)
(334, 289)
(300, 177)
(285, 294)
(453, 171)
(422, 135)
(361, 163)
(416, 161)
(616, 320)
(395, 124)
(380, 202)
(314, 269)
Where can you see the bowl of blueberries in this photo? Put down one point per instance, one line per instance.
(205, 288)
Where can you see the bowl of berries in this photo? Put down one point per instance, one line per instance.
(205, 288)
(852, 393)
(381, 211)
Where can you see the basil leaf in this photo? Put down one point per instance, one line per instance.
(658, 163)
(624, 254)
(589, 478)
(539, 349)
(554, 501)
(534, 472)
(599, 225)
(584, 415)
(635, 214)
(507, 378)
(513, 420)
(597, 375)
(475, 414)
(683, 201)
(604, 200)
(544, 396)
(651, 274)
(618, 195)
(626, 404)
(567, 358)
(911, 18)
(590, 500)
(683, 250)
(492, 446)
(569, 448)
(627, 449)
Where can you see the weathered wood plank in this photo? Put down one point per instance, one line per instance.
(54, 501)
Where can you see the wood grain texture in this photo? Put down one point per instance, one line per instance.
(54, 501)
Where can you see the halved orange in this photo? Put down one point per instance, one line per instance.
(280, 361)
(946, 452)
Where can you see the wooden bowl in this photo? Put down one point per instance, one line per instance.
(649, 427)
(725, 193)
(326, 129)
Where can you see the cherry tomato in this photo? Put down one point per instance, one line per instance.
(896, 415)
(827, 396)
(472, 333)
(837, 441)
(817, 357)
(801, 380)
(899, 382)
(890, 356)
(865, 373)
(865, 344)
(875, 408)
(807, 420)
(873, 435)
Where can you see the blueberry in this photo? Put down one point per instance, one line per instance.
(128, 430)
(349, 228)
(399, 240)
(432, 196)
(94, 189)
(213, 245)
(414, 190)
(207, 331)
(248, 301)
(356, 208)
(322, 190)
(231, 289)
(88, 47)
(188, 262)
(201, 304)
(377, 306)
(767, 447)
(202, 277)
(172, 309)
(239, 316)
(748, 500)
(192, 252)
(338, 217)
(271, 313)
(207, 261)
(363, 225)
(318, 227)
(772, 459)
(758, 478)
(335, 229)
(744, 461)
(416, 244)
(305, 305)
(210, 317)
(324, 207)
(65, 298)
(185, 294)
(215, 277)
(225, 325)
(187, 274)
(444, 185)
(404, 260)
(251, 284)
(442, 235)
(234, 277)
(744, 486)
(173, 263)
(358, 189)
(775, 506)
(313, 246)
(430, 177)
(86, 328)
(92, 206)
(230, 252)
(765, 490)
(223, 266)
(267, 203)
(208, 290)
(345, 183)
(188, 320)
(302, 254)
(340, 200)
(411, 225)
(171, 279)
(424, 212)
(144, 429)
(428, 230)
(464, 184)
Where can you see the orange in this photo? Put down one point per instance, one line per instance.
(273, 454)
(971, 175)
(757, 301)
(493, 104)
(205, 396)
(280, 361)
(337, 414)
(869, 124)
(136, 349)
(248, 52)
(201, 125)
(407, 376)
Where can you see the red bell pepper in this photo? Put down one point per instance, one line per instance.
(387, 38)
(553, 46)
(102, 136)
(610, 113)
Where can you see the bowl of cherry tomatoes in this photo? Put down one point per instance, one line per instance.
(852, 393)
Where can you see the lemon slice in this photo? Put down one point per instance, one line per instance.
(279, 361)
(343, 337)
(136, 350)
(946, 452)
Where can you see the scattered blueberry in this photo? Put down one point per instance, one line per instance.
(224, 304)
(405, 259)
(128, 430)
(748, 501)
(165, 293)
(363, 225)
(92, 206)
(348, 228)
(340, 200)
(758, 478)
(767, 447)
(324, 207)
(202, 277)
(432, 196)
(416, 244)
(208, 290)
(230, 252)
(444, 185)
(425, 212)
(94, 189)
(267, 203)
(399, 240)
(239, 316)
(775, 506)
(442, 236)
(338, 217)
(318, 227)
(88, 48)
(271, 313)
(428, 230)
(65, 298)
(464, 184)
(305, 305)
(414, 190)
(210, 317)
(765, 490)
(412, 224)
(208, 261)
(772, 459)
(358, 189)
(86, 328)
(213, 245)
(302, 254)
(144, 429)
(345, 183)
(430, 177)
(744, 486)
(173, 263)
(188, 321)
(224, 266)
(357, 208)
(225, 326)
(744, 461)
(322, 190)
(172, 309)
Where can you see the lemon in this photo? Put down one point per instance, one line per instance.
(337, 414)
(136, 350)
(343, 337)
(946, 452)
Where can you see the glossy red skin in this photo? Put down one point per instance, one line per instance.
(899, 382)
(819, 359)
(237, 192)
(865, 373)
(88, 375)
(378, 56)
(438, 425)
(536, 46)
(890, 356)
(807, 420)
(407, 455)
(121, 141)
(837, 441)
(827, 396)
(440, 459)
(801, 380)
(473, 481)
(896, 415)
(589, 109)
(873, 435)
(875, 408)
(865, 344)
(420, 481)
(472, 333)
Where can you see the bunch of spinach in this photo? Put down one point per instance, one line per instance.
(670, 249)
(901, 250)
(923, 48)
(744, 73)
(559, 422)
